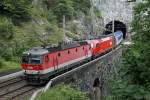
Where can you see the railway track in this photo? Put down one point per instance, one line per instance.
(16, 89)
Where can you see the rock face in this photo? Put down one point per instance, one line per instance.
(118, 10)
(115, 9)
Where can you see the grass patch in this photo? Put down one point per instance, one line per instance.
(62, 92)
(8, 65)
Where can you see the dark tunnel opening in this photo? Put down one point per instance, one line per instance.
(96, 82)
(118, 26)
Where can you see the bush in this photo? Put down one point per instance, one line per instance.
(81, 5)
(63, 7)
(133, 81)
(1, 63)
(39, 13)
(51, 16)
(97, 12)
(69, 8)
(6, 28)
(17, 10)
(62, 92)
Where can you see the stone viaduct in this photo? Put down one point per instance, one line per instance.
(92, 77)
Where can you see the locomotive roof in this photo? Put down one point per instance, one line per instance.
(64, 45)
(36, 51)
(46, 49)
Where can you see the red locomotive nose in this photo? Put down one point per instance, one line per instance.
(35, 67)
(40, 67)
(32, 67)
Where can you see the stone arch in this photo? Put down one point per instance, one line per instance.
(96, 89)
(96, 83)
(118, 25)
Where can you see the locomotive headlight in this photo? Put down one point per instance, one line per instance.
(92, 45)
(110, 43)
(30, 67)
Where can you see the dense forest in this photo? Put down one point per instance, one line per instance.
(28, 23)
(133, 79)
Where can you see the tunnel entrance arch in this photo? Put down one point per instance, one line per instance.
(118, 26)
(96, 89)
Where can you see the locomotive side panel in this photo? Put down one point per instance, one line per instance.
(103, 45)
(57, 61)
(70, 56)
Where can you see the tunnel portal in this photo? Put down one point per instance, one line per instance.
(118, 26)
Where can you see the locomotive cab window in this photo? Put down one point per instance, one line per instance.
(35, 59)
(32, 59)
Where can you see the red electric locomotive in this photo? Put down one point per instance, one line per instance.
(100, 46)
(41, 63)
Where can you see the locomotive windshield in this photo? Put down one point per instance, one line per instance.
(32, 59)
(35, 59)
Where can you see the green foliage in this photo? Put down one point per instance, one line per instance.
(82, 5)
(97, 12)
(141, 50)
(88, 19)
(62, 92)
(26, 23)
(1, 62)
(12, 13)
(5, 65)
(39, 13)
(63, 7)
(69, 8)
(51, 16)
(133, 81)
(16, 10)
(6, 28)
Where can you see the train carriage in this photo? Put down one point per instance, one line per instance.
(118, 37)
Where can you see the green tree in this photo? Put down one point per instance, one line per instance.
(133, 82)
(82, 5)
(69, 8)
(63, 7)
(18, 10)
(6, 35)
(139, 67)
(6, 28)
